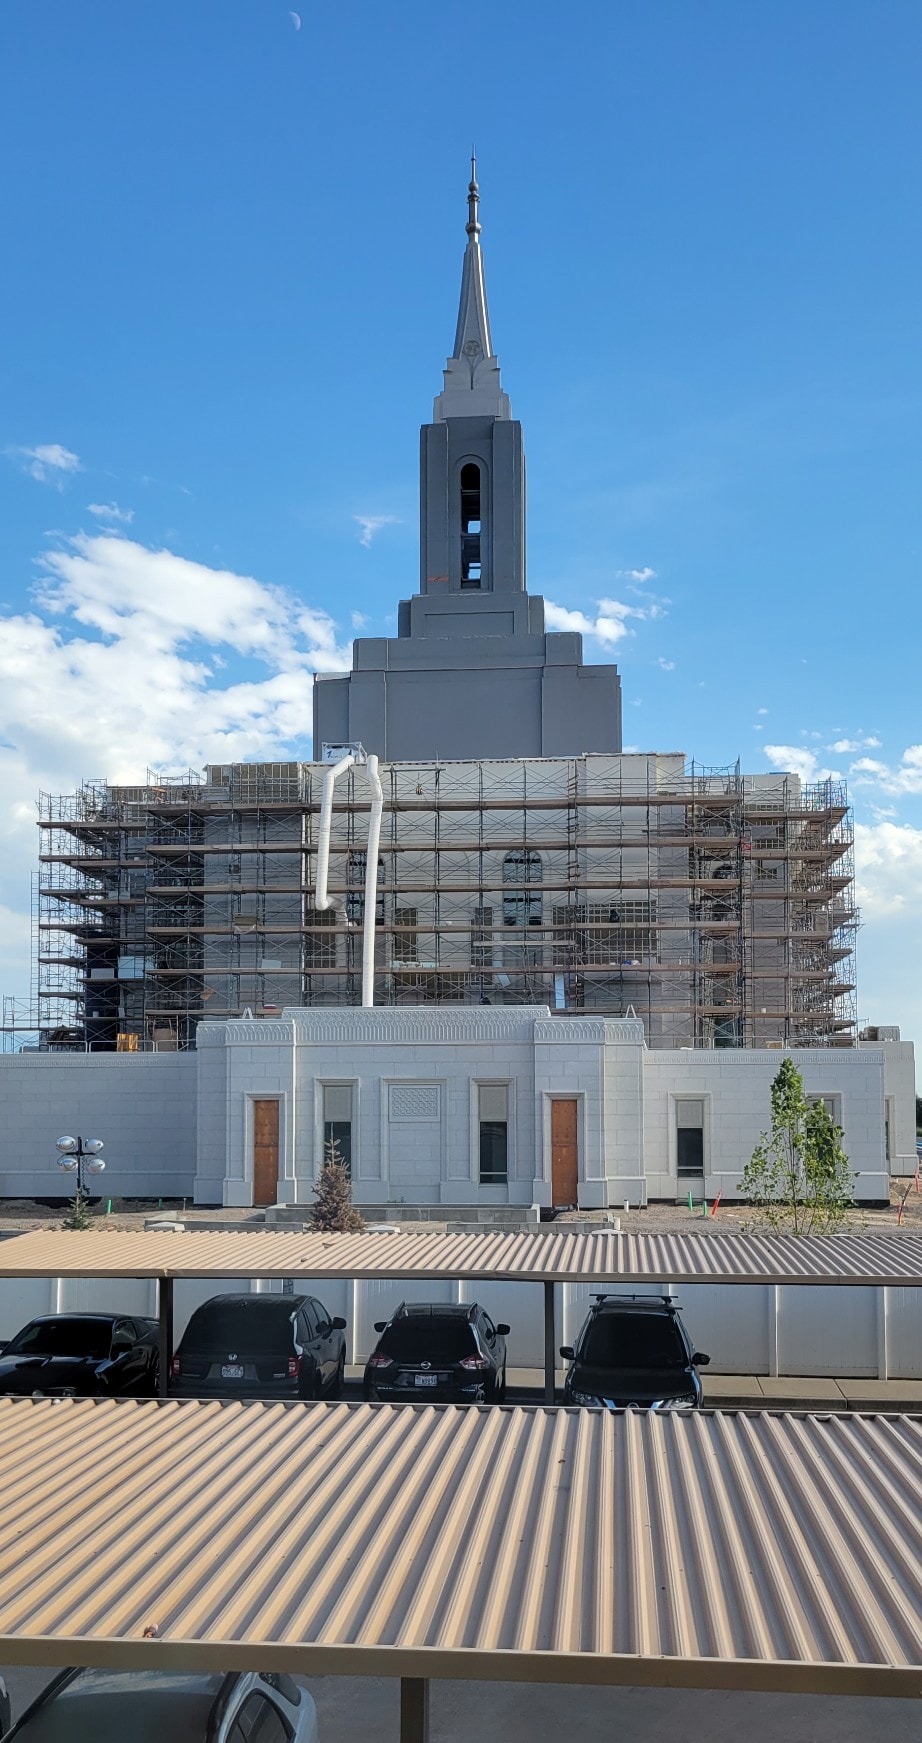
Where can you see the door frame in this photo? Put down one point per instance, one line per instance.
(550, 1096)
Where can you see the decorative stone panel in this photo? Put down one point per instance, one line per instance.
(412, 1102)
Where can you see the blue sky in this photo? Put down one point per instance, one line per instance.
(233, 237)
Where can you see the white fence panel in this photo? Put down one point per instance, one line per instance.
(827, 1331)
(521, 1307)
(904, 1334)
(107, 1295)
(731, 1322)
(22, 1299)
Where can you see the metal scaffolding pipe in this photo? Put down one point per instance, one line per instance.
(321, 900)
(371, 881)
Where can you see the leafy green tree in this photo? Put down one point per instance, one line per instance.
(333, 1211)
(799, 1176)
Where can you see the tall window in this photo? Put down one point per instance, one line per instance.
(337, 1122)
(405, 923)
(522, 908)
(482, 938)
(320, 939)
(471, 561)
(355, 895)
(493, 1113)
(689, 1119)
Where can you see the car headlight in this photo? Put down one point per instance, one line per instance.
(586, 1398)
(685, 1405)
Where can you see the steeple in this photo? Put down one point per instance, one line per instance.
(472, 384)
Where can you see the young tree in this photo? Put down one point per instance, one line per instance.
(799, 1176)
(333, 1211)
(79, 1215)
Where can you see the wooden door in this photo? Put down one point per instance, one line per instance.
(564, 1154)
(265, 1152)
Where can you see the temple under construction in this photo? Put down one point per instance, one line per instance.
(486, 841)
(715, 906)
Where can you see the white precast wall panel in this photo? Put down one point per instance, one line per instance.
(827, 1331)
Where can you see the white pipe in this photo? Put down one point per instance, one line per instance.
(330, 775)
(371, 881)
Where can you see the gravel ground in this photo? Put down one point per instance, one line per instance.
(17, 1216)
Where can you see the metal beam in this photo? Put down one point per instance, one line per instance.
(414, 1709)
(550, 1343)
(165, 1333)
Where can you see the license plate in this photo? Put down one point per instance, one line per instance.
(232, 1371)
(427, 1379)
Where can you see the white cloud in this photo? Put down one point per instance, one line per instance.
(666, 665)
(796, 759)
(118, 668)
(608, 626)
(640, 575)
(359, 620)
(905, 778)
(49, 462)
(371, 524)
(761, 710)
(111, 511)
(888, 868)
(843, 746)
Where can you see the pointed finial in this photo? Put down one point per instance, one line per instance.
(473, 199)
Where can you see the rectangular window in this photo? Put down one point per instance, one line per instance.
(493, 1115)
(689, 1119)
(405, 946)
(832, 1104)
(337, 1123)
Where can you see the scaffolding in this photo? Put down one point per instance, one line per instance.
(717, 906)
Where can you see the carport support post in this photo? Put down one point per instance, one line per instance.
(550, 1344)
(165, 1334)
(414, 1709)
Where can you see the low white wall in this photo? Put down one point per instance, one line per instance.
(745, 1329)
(142, 1105)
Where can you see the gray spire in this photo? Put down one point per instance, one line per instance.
(472, 385)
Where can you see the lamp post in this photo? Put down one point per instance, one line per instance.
(75, 1154)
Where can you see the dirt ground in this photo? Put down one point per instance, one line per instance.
(17, 1216)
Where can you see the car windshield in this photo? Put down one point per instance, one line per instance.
(428, 1338)
(63, 1337)
(247, 1329)
(633, 1340)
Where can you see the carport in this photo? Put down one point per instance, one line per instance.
(546, 1257)
(766, 1552)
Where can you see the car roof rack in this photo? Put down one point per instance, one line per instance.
(668, 1300)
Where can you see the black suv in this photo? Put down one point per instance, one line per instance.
(438, 1354)
(634, 1350)
(260, 1346)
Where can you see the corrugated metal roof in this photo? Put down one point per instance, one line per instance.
(775, 1552)
(530, 1257)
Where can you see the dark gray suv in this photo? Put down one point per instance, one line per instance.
(633, 1350)
(260, 1346)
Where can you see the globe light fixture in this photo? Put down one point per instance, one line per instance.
(67, 1144)
(79, 1156)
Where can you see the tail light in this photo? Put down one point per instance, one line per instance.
(294, 1367)
(175, 1367)
(478, 1363)
(378, 1361)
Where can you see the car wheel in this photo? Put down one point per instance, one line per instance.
(339, 1379)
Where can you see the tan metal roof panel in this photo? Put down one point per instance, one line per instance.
(773, 1552)
(541, 1256)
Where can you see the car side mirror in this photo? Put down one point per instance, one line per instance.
(380, 1324)
(566, 1351)
(503, 1331)
(339, 1324)
(6, 1709)
(700, 1360)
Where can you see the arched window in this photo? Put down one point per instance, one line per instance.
(522, 907)
(471, 561)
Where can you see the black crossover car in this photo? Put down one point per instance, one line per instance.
(634, 1350)
(96, 1354)
(260, 1346)
(438, 1354)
